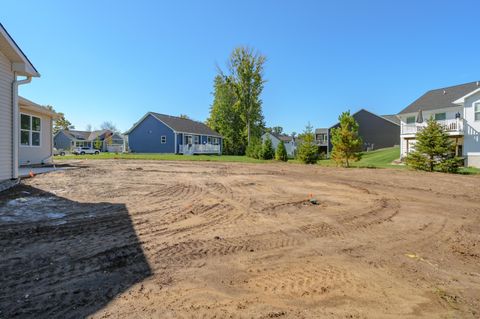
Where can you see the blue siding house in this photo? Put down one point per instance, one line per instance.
(160, 133)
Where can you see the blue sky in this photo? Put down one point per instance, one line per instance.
(116, 60)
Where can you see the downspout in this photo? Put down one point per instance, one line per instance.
(16, 120)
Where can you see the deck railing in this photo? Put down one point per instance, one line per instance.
(450, 126)
(199, 149)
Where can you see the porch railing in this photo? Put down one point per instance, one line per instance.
(199, 149)
(450, 126)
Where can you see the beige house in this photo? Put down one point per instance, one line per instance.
(36, 138)
(13, 65)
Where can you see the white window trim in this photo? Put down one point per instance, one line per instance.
(435, 115)
(163, 139)
(414, 119)
(30, 131)
(476, 105)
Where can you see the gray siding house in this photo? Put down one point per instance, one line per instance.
(68, 139)
(160, 133)
(376, 131)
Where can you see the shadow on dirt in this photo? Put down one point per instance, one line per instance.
(64, 259)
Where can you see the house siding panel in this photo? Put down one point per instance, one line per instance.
(471, 148)
(145, 138)
(62, 142)
(6, 80)
(38, 154)
(375, 130)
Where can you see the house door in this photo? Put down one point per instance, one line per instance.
(188, 140)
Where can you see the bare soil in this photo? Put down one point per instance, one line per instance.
(143, 239)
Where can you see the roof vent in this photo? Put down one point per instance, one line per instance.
(444, 92)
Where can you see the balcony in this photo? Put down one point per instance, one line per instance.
(452, 127)
(199, 149)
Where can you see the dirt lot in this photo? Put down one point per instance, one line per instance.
(139, 239)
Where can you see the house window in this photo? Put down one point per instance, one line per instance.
(215, 141)
(163, 139)
(477, 111)
(410, 119)
(440, 116)
(188, 139)
(197, 139)
(30, 127)
(209, 140)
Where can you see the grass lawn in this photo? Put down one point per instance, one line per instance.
(164, 157)
(375, 159)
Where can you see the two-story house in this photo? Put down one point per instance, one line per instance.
(457, 108)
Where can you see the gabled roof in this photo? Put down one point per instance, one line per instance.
(32, 106)
(179, 124)
(281, 137)
(21, 64)
(383, 117)
(85, 135)
(392, 118)
(441, 98)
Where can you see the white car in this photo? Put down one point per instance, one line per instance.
(85, 150)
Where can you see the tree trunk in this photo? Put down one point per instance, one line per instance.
(248, 132)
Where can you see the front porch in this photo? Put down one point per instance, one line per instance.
(190, 149)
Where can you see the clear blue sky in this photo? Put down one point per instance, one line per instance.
(116, 60)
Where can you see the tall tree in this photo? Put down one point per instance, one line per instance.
(281, 152)
(184, 116)
(345, 140)
(107, 125)
(246, 78)
(277, 130)
(225, 119)
(308, 150)
(434, 150)
(61, 123)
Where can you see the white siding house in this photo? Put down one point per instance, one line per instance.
(13, 63)
(36, 138)
(457, 109)
(290, 143)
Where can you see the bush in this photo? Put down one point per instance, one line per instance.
(267, 150)
(281, 152)
(307, 150)
(252, 148)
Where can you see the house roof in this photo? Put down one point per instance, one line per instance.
(179, 124)
(21, 64)
(383, 117)
(441, 98)
(85, 135)
(32, 106)
(392, 118)
(321, 130)
(282, 137)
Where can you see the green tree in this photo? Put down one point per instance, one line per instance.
(277, 130)
(184, 116)
(307, 151)
(61, 123)
(434, 150)
(97, 144)
(254, 149)
(246, 79)
(281, 152)
(267, 149)
(225, 119)
(345, 140)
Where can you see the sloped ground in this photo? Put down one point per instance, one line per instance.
(147, 239)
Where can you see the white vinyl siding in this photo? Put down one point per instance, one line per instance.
(410, 119)
(440, 116)
(6, 80)
(42, 153)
